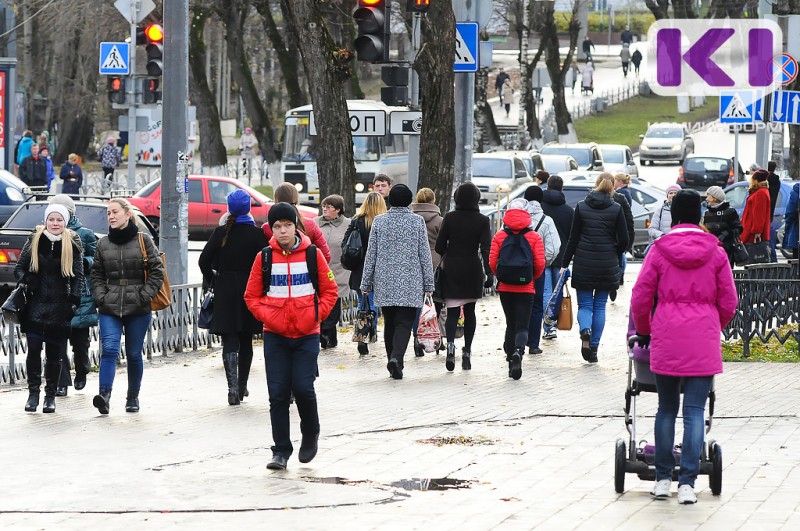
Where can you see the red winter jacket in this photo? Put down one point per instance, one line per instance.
(312, 231)
(755, 218)
(288, 308)
(516, 220)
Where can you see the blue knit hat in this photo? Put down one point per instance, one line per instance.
(239, 202)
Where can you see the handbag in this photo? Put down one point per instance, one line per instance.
(352, 248)
(163, 297)
(565, 313)
(740, 256)
(438, 282)
(14, 306)
(206, 316)
(365, 323)
(759, 252)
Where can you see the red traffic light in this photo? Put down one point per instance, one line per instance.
(418, 6)
(115, 83)
(154, 33)
(370, 3)
(116, 89)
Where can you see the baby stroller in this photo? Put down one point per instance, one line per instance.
(639, 457)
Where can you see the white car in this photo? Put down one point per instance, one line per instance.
(617, 158)
(496, 174)
(556, 164)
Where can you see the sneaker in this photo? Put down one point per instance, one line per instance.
(662, 488)
(551, 334)
(686, 494)
(515, 366)
(534, 350)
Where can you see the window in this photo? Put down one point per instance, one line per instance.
(519, 166)
(642, 198)
(736, 196)
(196, 191)
(218, 191)
(613, 156)
(497, 168)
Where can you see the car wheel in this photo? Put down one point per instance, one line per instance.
(155, 222)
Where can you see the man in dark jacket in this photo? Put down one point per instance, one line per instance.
(774, 189)
(555, 205)
(33, 170)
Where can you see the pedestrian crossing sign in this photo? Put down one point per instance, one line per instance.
(114, 58)
(740, 106)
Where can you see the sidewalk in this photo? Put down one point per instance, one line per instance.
(540, 452)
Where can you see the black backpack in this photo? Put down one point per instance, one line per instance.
(313, 272)
(515, 260)
(352, 248)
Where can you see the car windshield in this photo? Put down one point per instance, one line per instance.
(148, 189)
(664, 133)
(579, 154)
(614, 156)
(31, 214)
(494, 168)
(704, 164)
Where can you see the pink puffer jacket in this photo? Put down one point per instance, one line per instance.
(689, 272)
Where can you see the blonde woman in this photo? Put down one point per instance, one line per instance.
(373, 206)
(123, 298)
(51, 265)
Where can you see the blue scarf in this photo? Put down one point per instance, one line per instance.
(246, 219)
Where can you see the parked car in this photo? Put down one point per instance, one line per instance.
(12, 194)
(532, 159)
(700, 172)
(92, 211)
(588, 155)
(502, 170)
(619, 158)
(665, 141)
(736, 195)
(555, 164)
(208, 196)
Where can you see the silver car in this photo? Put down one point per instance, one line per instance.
(497, 174)
(617, 158)
(665, 141)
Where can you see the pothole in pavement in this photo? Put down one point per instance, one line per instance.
(478, 440)
(420, 484)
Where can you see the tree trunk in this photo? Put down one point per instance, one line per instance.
(558, 70)
(486, 134)
(434, 63)
(327, 68)
(659, 8)
(683, 9)
(212, 148)
(234, 14)
(289, 68)
(525, 97)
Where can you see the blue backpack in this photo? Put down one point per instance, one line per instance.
(515, 260)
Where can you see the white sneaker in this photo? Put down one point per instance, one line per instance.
(686, 494)
(550, 334)
(662, 488)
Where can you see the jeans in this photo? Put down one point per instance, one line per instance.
(291, 369)
(79, 339)
(111, 329)
(517, 309)
(695, 393)
(397, 323)
(623, 262)
(592, 313)
(370, 301)
(773, 236)
(537, 313)
(550, 278)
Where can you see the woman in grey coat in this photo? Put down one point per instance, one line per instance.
(398, 268)
(333, 225)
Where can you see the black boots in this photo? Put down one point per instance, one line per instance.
(450, 361)
(395, 368)
(231, 362)
(363, 349)
(466, 364)
(132, 403)
(49, 405)
(102, 402)
(515, 365)
(593, 356)
(52, 374)
(586, 350)
(308, 448)
(33, 401)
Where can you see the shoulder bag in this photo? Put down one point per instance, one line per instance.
(14, 306)
(163, 297)
(565, 313)
(740, 256)
(759, 252)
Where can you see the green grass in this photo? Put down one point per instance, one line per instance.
(772, 351)
(624, 122)
(265, 189)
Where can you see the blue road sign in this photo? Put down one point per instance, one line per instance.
(114, 58)
(466, 59)
(740, 106)
(784, 69)
(785, 107)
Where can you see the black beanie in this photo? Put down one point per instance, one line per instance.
(282, 211)
(534, 193)
(686, 207)
(400, 196)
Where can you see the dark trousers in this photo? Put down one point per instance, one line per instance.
(291, 369)
(398, 321)
(517, 309)
(52, 370)
(327, 329)
(242, 343)
(470, 324)
(107, 171)
(79, 339)
(537, 313)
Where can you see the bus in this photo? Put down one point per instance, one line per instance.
(373, 154)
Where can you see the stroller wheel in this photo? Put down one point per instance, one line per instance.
(619, 466)
(715, 478)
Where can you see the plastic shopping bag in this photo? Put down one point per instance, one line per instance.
(554, 304)
(428, 333)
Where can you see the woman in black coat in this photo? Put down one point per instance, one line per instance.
(722, 220)
(463, 243)
(225, 262)
(597, 238)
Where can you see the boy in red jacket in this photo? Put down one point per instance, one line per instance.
(291, 318)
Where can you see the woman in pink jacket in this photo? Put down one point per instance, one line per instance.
(687, 270)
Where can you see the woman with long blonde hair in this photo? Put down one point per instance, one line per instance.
(372, 207)
(51, 266)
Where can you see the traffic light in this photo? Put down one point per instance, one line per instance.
(396, 90)
(372, 18)
(151, 94)
(116, 89)
(152, 37)
(417, 6)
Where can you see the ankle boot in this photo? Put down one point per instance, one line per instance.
(231, 362)
(102, 402)
(132, 403)
(52, 374)
(515, 365)
(33, 401)
(450, 361)
(49, 405)
(466, 364)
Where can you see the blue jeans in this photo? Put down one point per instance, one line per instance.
(550, 278)
(111, 329)
(537, 313)
(592, 312)
(695, 393)
(291, 369)
(623, 262)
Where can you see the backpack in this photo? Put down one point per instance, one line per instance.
(313, 272)
(352, 248)
(515, 260)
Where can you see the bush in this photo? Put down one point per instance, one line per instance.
(640, 21)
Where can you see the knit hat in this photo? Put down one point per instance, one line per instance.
(467, 196)
(717, 193)
(239, 202)
(61, 209)
(534, 193)
(400, 196)
(281, 211)
(760, 175)
(518, 204)
(64, 200)
(686, 207)
(672, 187)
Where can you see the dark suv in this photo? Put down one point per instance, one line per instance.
(700, 172)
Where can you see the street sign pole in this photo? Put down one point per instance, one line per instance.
(465, 115)
(132, 98)
(413, 141)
